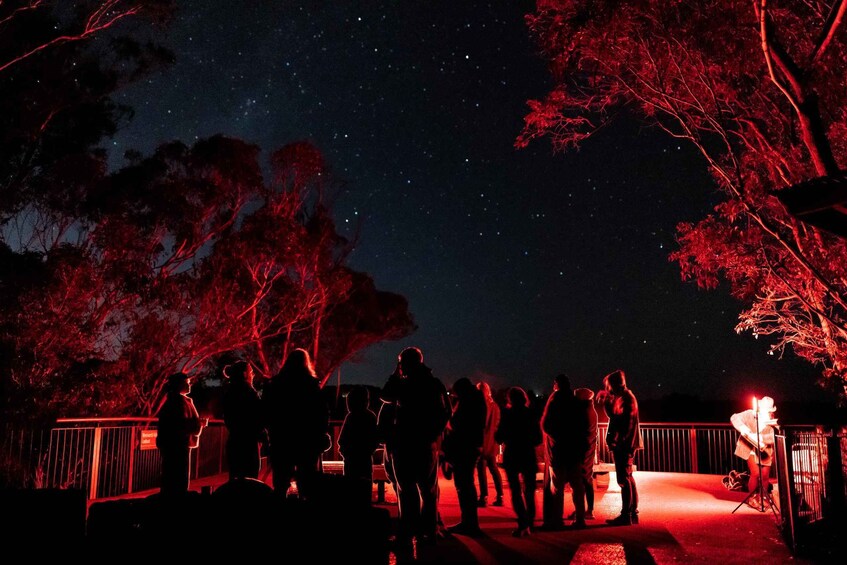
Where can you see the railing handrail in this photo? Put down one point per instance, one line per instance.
(147, 419)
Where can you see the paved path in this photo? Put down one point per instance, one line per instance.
(684, 518)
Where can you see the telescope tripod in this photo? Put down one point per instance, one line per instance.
(762, 490)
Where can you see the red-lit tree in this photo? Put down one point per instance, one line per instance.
(111, 280)
(758, 88)
(173, 262)
(78, 22)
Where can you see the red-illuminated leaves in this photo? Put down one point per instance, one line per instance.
(758, 90)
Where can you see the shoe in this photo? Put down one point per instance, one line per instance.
(578, 526)
(589, 514)
(481, 503)
(621, 520)
(498, 501)
(521, 532)
(465, 530)
(633, 517)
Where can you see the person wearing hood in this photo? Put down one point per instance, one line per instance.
(587, 445)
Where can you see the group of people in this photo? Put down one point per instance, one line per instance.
(425, 428)
(423, 425)
(291, 417)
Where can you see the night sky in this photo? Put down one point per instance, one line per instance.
(518, 264)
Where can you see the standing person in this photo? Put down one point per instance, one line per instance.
(421, 414)
(752, 445)
(357, 442)
(462, 446)
(178, 430)
(297, 417)
(587, 445)
(242, 412)
(490, 449)
(387, 428)
(520, 433)
(623, 439)
(563, 455)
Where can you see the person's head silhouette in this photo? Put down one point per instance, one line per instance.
(357, 399)
(239, 371)
(410, 359)
(518, 397)
(299, 360)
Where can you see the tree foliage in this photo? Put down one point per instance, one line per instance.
(758, 88)
(111, 280)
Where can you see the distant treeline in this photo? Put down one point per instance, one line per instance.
(671, 408)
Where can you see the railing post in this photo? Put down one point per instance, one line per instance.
(132, 446)
(692, 442)
(95, 463)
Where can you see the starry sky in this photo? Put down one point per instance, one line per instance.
(518, 264)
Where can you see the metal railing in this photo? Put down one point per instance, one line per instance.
(102, 457)
(106, 457)
(702, 448)
(811, 468)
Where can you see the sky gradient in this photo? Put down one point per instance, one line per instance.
(518, 264)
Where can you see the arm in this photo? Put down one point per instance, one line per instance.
(548, 426)
(739, 422)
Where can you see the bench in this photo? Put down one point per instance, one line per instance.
(380, 477)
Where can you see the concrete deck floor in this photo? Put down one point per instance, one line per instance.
(684, 518)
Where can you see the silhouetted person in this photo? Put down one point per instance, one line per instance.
(462, 446)
(178, 430)
(358, 440)
(386, 421)
(422, 412)
(750, 446)
(242, 412)
(623, 439)
(563, 455)
(520, 433)
(585, 409)
(297, 417)
(490, 449)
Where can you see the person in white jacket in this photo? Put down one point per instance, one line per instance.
(755, 442)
